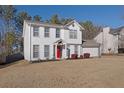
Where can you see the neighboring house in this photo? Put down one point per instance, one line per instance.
(92, 47)
(49, 41)
(108, 41)
(120, 32)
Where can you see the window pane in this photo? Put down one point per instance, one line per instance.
(73, 34)
(46, 32)
(35, 51)
(57, 32)
(35, 31)
(46, 50)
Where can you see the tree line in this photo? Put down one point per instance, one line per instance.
(12, 26)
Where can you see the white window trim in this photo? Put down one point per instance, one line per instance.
(48, 32)
(35, 51)
(57, 33)
(47, 51)
(35, 31)
(73, 34)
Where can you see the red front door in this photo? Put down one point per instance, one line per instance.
(58, 52)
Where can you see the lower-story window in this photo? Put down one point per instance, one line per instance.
(46, 51)
(35, 51)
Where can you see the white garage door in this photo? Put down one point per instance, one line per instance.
(94, 52)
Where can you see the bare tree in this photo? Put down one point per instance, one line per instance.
(90, 30)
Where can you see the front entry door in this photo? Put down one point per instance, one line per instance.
(59, 51)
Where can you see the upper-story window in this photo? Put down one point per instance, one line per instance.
(35, 31)
(73, 34)
(57, 33)
(46, 32)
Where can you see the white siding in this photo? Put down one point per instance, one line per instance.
(107, 41)
(72, 50)
(26, 35)
(94, 52)
(79, 35)
(121, 39)
(41, 41)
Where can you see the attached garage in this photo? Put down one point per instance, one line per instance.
(91, 47)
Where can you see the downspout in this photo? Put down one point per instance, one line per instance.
(30, 43)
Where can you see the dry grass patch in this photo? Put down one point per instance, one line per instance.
(107, 71)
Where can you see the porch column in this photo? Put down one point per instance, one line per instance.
(79, 49)
(65, 51)
(55, 51)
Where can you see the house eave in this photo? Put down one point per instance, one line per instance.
(32, 23)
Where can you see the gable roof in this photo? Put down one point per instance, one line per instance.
(53, 25)
(30, 22)
(49, 25)
(60, 41)
(44, 24)
(116, 31)
(74, 21)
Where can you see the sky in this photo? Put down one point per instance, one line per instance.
(111, 15)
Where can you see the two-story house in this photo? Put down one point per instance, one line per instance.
(108, 40)
(50, 41)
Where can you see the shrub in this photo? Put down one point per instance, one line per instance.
(74, 56)
(81, 56)
(86, 55)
